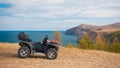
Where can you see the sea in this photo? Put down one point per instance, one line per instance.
(36, 36)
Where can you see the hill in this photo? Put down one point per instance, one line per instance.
(104, 28)
(68, 58)
(104, 31)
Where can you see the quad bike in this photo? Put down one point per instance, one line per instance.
(50, 48)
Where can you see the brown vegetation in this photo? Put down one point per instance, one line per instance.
(58, 37)
(68, 58)
(98, 44)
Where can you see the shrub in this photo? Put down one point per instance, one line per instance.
(99, 43)
(114, 47)
(69, 45)
(85, 42)
(58, 37)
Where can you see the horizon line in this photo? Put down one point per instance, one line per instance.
(32, 30)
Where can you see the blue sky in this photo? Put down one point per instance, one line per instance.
(56, 14)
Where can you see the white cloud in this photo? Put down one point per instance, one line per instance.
(70, 21)
(15, 23)
(54, 1)
(71, 11)
(103, 13)
(64, 8)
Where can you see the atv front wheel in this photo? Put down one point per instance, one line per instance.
(23, 52)
(51, 53)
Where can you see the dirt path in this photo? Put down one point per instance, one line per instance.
(68, 58)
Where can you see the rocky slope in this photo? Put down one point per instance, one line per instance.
(93, 31)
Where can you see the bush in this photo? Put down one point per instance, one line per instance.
(85, 42)
(58, 37)
(69, 45)
(114, 47)
(99, 44)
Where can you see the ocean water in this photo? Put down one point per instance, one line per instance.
(36, 36)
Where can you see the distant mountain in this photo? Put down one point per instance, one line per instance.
(93, 31)
(110, 27)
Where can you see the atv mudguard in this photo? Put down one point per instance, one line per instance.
(27, 44)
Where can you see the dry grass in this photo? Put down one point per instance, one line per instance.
(68, 58)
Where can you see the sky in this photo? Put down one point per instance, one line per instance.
(56, 14)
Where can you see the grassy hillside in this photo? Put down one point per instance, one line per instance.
(68, 58)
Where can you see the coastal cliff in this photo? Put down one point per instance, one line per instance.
(106, 32)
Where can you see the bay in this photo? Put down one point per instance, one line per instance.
(36, 36)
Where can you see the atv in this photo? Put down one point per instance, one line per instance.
(50, 48)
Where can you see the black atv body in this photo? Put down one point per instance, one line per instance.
(50, 49)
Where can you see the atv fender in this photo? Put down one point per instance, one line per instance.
(29, 45)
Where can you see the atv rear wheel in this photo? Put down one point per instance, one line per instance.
(23, 52)
(51, 53)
